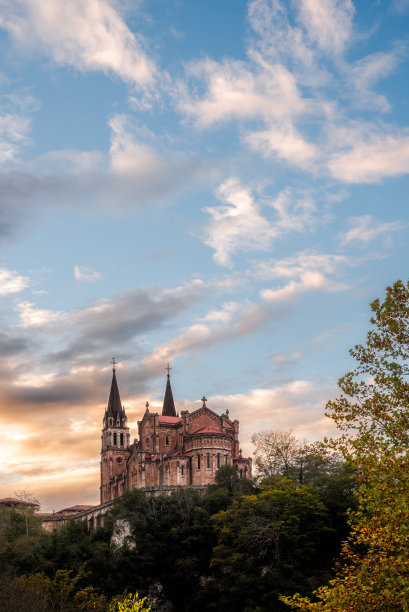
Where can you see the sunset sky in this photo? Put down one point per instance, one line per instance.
(218, 184)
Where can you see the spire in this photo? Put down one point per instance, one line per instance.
(168, 403)
(114, 408)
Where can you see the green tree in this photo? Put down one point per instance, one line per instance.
(373, 416)
(268, 543)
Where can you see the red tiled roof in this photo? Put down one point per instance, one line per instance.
(79, 508)
(12, 500)
(169, 419)
(207, 430)
(229, 426)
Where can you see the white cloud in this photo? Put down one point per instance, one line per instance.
(307, 271)
(87, 35)
(11, 282)
(239, 226)
(237, 91)
(13, 131)
(85, 273)
(382, 155)
(328, 23)
(128, 154)
(286, 142)
(365, 74)
(30, 316)
(365, 229)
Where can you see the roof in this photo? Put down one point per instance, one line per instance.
(169, 419)
(79, 508)
(114, 408)
(168, 403)
(207, 430)
(13, 500)
(229, 426)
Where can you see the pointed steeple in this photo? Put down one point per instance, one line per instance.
(168, 403)
(114, 408)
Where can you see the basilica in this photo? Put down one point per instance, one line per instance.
(172, 450)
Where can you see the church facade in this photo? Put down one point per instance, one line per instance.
(171, 450)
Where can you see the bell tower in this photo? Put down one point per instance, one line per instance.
(115, 444)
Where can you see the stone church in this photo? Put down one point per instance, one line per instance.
(173, 450)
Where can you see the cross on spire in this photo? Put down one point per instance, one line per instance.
(168, 368)
(114, 363)
(204, 400)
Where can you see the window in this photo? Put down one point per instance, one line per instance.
(121, 438)
(241, 474)
(115, 436)
(167, 440)
(119, 460)
(225, 459)
(182, 470)
(198, 462)
(218, 460)
(208, 461)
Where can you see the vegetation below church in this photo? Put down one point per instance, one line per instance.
(237, 547)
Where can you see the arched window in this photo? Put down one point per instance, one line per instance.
(198, 462)
(167, 440)
(218, 460)
(208, 461)
(121, 438)
(182, 470)
(115, 439)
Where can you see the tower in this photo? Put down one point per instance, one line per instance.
(168, 403)
(115, 444)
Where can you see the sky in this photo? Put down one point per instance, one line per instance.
(218, 185)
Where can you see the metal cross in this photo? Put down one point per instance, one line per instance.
(168, 368)
(114, 363)
(204, 400)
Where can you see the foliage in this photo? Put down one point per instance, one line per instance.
(128, 603)
(266, 542)
(373, 415)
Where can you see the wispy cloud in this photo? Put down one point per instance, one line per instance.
(365, 229)
(12, 282)
(85, 273)
(306, 271)
(85, 35)
(380, 155)
(239, 226)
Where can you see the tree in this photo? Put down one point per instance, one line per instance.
(373, 416)
(266, 543)
(276, 452)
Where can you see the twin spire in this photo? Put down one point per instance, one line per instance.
(115, 409)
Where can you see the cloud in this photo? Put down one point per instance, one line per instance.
(85, 35)
(286, 143)
(11, 282)
(30, 316)
(306, 271)
(238, 225)
(327, 23)
(85, 273)
(365, 73)
(365, 229)
(235, 91)
(382, 155)
(13, 132)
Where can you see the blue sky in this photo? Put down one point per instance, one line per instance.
(218, 185)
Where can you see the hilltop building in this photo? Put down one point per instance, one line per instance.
(172, 450)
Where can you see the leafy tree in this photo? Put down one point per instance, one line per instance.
(267, 542)
(373, 417)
